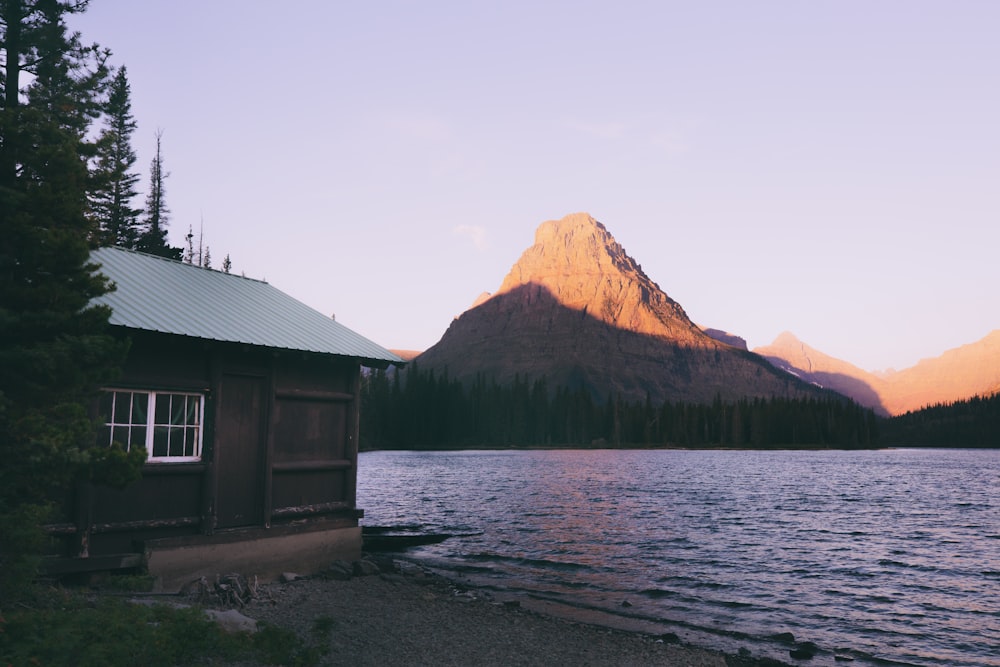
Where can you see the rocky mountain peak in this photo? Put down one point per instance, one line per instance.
(787, 339)
(578, 262)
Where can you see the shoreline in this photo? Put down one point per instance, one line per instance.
(401, 613)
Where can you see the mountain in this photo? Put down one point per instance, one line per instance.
(793, 356)
(726, 337)
(577, 310)
(960, 373)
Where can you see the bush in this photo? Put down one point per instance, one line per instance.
(69, 628)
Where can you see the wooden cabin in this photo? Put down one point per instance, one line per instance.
(246, 402)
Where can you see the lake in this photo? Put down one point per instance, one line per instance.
(883, 557)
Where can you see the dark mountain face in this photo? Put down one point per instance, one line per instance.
(578, 311)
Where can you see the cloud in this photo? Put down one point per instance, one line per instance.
(475, 234)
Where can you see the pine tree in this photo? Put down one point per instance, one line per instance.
(114, 178)
(227, 264)
(187, 255)
(55, 350)
(153, 238)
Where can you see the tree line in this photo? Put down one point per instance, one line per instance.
(973, 422)
(417, 409)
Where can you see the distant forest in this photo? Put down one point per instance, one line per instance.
(974, 422)
(430, 412)
(427, 411)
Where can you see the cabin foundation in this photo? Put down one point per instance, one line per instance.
(265, 554)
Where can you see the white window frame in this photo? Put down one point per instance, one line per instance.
(139, 433)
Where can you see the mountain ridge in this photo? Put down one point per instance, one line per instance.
(956, 374)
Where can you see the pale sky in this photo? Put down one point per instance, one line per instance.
(828, 168)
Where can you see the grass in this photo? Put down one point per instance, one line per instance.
(56, 627)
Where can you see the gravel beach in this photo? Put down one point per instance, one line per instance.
(412, 617)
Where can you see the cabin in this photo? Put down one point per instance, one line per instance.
(246, 402)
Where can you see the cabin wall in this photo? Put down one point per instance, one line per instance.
(314, 438)
(279, 447)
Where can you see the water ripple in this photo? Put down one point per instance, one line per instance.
(889, 557)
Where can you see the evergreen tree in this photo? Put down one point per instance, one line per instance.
(187, 255)
(227, 264)
(114, 178)
(153, 238)
(54, 348)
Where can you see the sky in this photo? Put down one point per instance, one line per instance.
(826, 168)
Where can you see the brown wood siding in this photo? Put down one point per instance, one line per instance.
(296, 489)
(309, 430)
(167, 362)
(239, 450)
(313, 373)
(279, 440)
(153, 497)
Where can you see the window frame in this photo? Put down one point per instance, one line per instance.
(151, 426)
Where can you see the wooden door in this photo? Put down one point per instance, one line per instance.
(239, 451)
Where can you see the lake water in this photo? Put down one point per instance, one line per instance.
(885, 557)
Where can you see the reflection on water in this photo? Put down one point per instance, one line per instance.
(881, 556)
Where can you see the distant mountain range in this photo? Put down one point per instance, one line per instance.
(960, 373)
(577, 310)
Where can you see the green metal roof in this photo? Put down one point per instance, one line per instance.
(156, 294)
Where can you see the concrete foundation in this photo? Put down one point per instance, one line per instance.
(258, 553)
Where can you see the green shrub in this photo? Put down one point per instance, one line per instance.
(69, 628)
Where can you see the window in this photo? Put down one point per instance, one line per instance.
(167, 424)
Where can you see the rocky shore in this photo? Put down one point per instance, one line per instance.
(384, 612)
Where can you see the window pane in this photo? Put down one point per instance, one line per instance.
(176, 441)
(140, 406)
(105, 410)
(192, 410)
(122, 406)
(104, 435)
(178, 411)
(162, 409)
(191, 441)
(161, 436)
(137, 438)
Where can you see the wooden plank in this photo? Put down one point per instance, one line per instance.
(352, 434)
(318, 508)
(210, 484)
(311, 466)
(318, 396)
(271, 401)
(193, 468)
(60, 528)
(84, 493)
(57, 566)
(124, 526)
(240, 450)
